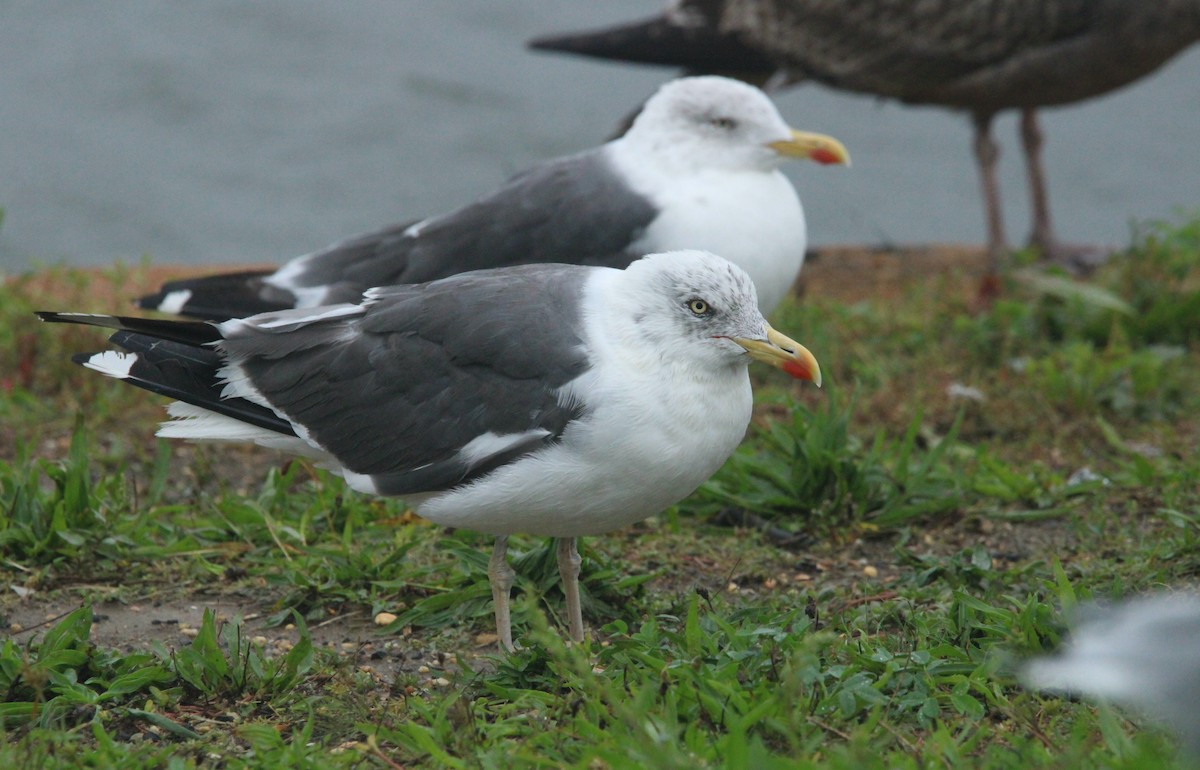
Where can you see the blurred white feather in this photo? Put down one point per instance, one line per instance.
(1143, 653)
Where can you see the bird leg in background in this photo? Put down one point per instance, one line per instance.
(501, 575)
(568, 570)
(1042, 235)
(1080, 258)
(987, 152)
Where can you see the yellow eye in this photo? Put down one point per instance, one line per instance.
(698, 306)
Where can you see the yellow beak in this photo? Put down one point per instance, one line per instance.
(783, 352)
(823, 149)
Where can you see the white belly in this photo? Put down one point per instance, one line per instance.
(618, 465)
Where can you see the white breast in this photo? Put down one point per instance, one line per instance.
(751, 217)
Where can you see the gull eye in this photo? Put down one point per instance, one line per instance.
(725, 123)
(698, 306)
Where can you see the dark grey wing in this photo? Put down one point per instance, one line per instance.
(431, 385)
(237, 295)
(573, 210)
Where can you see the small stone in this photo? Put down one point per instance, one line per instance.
(190, 632)
(284, 644)
(1086, 475)
(732, 587)
(385, 618)
(261, 641)
(348, 645)
(441, 681)
(423, 670)
(15, 627)
(485, 639)
(870, 571)
(965, 392)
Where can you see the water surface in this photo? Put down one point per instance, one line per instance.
(218, 131)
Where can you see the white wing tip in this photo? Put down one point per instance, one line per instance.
(112, 363)
(174, 301)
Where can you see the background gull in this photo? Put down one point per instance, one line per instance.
(552, 400)
(981, 56)
(698, 169)
(1143, 653)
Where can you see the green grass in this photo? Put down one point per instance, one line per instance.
(902, 548)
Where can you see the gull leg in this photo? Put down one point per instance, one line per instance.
(1031, 139)
(568, 570)
(1080, 258)
(987, 152)
(501, 575)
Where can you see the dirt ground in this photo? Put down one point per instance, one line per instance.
(846, 273)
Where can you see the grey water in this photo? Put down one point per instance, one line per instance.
(222, 131)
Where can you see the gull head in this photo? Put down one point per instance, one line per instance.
(700, 310)
(716, 122)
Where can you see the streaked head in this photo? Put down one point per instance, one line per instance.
(702, 308)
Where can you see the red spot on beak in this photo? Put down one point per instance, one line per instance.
(797, 371)
(825, 157)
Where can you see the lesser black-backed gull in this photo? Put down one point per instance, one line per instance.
(697, 170)
(553, 400)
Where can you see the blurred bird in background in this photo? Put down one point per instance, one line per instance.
(1143, 653)
(979, 56)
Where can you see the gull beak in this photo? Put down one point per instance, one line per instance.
(783, 352)
(823, 149)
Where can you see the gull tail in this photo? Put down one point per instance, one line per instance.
(172, 358)
(220, 297)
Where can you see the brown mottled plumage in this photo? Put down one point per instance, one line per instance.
(982, 56)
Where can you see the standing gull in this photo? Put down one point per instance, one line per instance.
(553, 400)
(980, 56)
(698, 169)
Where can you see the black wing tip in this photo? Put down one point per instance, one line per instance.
(150, 301)
(218, 297)
(58, 316)
(67, 317)
(82, 358)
